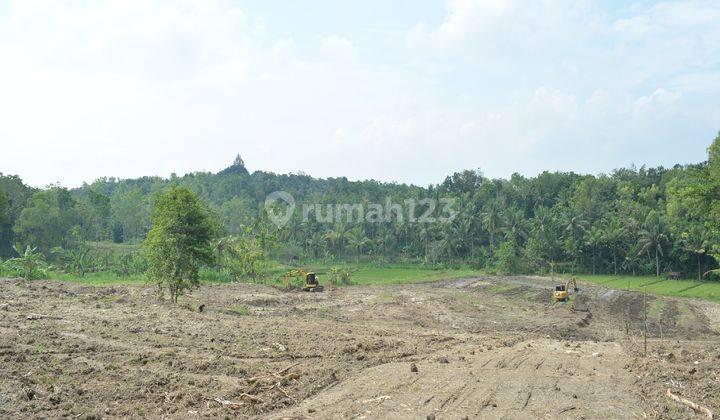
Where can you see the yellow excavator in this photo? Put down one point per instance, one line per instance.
(562, 291)
(309, 280)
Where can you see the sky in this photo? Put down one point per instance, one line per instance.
(405, 90)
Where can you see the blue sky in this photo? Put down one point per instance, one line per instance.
(406, 91)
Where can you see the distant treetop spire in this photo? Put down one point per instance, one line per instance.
(238, 161)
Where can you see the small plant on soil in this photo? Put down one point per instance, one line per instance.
(241, 310)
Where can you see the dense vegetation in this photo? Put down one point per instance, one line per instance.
(633, 221)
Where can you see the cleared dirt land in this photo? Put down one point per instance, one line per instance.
(476, 348)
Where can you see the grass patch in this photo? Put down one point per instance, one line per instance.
(655, 308)
(360, 274)
(241, 310)
(709, 290)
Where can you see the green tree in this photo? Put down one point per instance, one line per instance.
(613, 236)
(94, 216)
(129, 209)
(653, 238)
(594, 239)
(515, 225)
(632, 260)
(573, 228)
(492, 222)
(507, 259)
(241, 256)
(544, 241)
(47, 219)
(3, 206)
(695, 242)
(714, 160)
(357, 241)
(16, 195)
(179, 241)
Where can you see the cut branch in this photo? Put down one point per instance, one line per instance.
(695, 407)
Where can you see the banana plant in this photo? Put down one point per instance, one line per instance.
(76, 259)
(29, 264)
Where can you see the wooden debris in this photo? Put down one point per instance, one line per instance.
(251, 398)
(378, 399)
(285, 393)
(695, 407)
(229, 404)
(527, 400)
(237, 405)
(278, 374)
(272, 380)
(34, 317)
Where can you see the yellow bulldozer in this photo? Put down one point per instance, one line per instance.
(562, 291)
(309, 280)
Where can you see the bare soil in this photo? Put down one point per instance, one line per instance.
(472, 348)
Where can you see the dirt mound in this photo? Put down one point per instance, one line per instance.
(533, 378)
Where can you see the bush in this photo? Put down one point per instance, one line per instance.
(506, 259)
(126, 265)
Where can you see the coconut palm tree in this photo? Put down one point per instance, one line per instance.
(515, 226)
(696, 243)
(573, 225)
(653, 238)
(357, 241)
(492, 222)
(632, 259)
(594, 239)
(573, 228)
(613, 235)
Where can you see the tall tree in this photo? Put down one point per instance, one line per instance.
(47, 219)
(594, 239)
(179, 241)
(653, 238)
(3, 206)
(492, 222)
(613, 235)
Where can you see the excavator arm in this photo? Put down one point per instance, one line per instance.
(571, 283)
(309, 280)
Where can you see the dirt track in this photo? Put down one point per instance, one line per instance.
(483, 347)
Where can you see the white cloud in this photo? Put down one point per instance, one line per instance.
(339, 48)
(417, 36)
(494, 26)
(658, 101)
(556, 101)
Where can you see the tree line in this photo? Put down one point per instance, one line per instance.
(632, 221)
